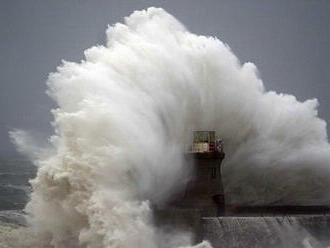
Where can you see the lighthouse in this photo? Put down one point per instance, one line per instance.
(204, 191)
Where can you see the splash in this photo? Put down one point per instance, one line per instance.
(123, 117)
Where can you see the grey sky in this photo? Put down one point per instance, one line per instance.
(289, 41)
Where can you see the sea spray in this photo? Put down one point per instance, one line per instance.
(124, 115)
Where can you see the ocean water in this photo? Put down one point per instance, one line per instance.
(15, 174)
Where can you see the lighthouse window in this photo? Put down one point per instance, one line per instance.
(214, 173)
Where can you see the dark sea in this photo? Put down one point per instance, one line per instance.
(15, 188)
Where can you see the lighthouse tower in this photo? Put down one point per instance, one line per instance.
(204, 191)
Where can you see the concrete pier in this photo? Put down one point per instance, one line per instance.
(307, 231)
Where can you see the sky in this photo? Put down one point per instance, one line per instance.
(289, 41)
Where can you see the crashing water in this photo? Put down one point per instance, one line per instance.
(123, 117)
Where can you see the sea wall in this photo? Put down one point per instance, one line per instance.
(267, 231)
